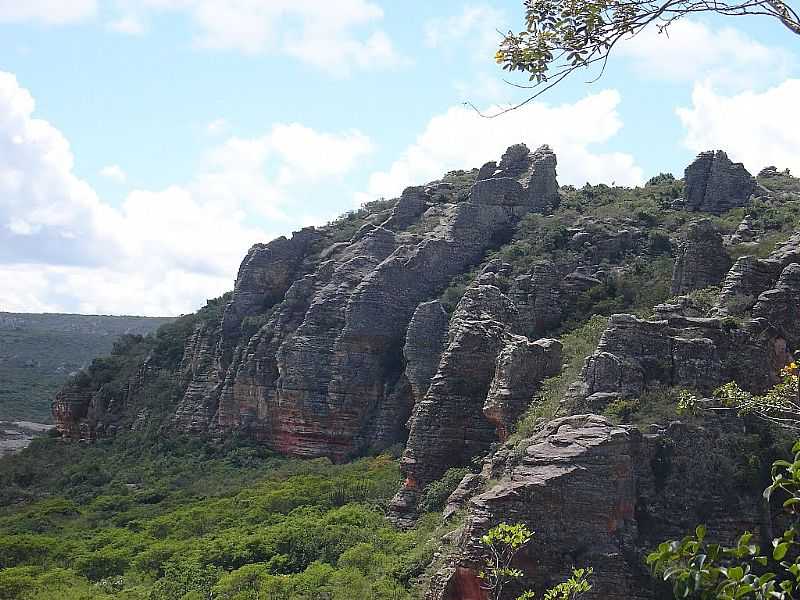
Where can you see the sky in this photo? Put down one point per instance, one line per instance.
(145, 145)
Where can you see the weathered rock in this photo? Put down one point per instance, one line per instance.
(264, 276)
(702, 260)
(715, 184)
(413, 202)
(600, 495)
(521, 367)
(781, 305)
(325, 376)
(750, 277)
(425, 341)
(521, 179)
(635, 355)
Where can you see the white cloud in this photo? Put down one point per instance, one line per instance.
(115, 173)
(689, 51)
(476, 25)
(334, 36)
(461, 137)
(128, 24)
(758, 129)
(161, 251)
(48, 12)
(217, 126)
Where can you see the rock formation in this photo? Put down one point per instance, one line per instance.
(486, 377)
(636, 355)
(325, 374)
(598, 495)
(750, 277)
(702, 260)
(715, 184)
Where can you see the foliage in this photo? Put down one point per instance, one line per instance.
(502, 543)
(437, 492)
(573, 587)
(560, 37)
(37, 352)
(699, 569)
(780, 405)
(153, 517)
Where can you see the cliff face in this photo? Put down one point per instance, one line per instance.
(431, 322)
(598, 495)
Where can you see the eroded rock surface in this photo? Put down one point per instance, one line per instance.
(702, 260)
(598, 495)
(715, 184)
(636, 355)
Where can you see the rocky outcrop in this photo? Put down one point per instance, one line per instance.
(425, 341)
(486, 377)
(326, 373)
(521, 366)
(636, 355)
(715, 184)
(264, 276)
(702, 260)
(750, 277)
(781, 305)
(522, 178)
(599, 495)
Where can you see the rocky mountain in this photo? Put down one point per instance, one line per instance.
(452, 322)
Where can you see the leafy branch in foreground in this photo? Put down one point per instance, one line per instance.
(706, 571)
(780, 405)
(562, 36)
(502, 544)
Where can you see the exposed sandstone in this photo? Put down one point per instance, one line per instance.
(715, 184)
(425, 341)
(599, 495)
(750, 277)
(702, 260)
(635, 355)
(781, 305)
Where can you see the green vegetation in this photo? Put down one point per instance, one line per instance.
(501, 544)
(38, 352)
(577, 345)
(699, 569)
(149, 516)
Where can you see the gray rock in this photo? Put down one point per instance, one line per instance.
(702, 260)
(715, 184)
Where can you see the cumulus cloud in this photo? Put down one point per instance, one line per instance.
(161, 251)
(766, 131)
(475, 25)
(690, 51)
(460, 137)
(337, 37)
(48, 12)
(115, 173)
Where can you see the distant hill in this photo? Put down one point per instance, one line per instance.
(37, 352)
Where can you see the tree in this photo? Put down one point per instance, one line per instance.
(705, 571)
(502, 544)
(562, 36)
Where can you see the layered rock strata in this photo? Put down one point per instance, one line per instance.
(598, 495)
(715, 184)
(326, 373)
(637, 355)
(702, 260)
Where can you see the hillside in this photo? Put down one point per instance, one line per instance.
(489, 347)
(39, 351)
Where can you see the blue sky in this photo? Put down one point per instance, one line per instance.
(146, 144)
